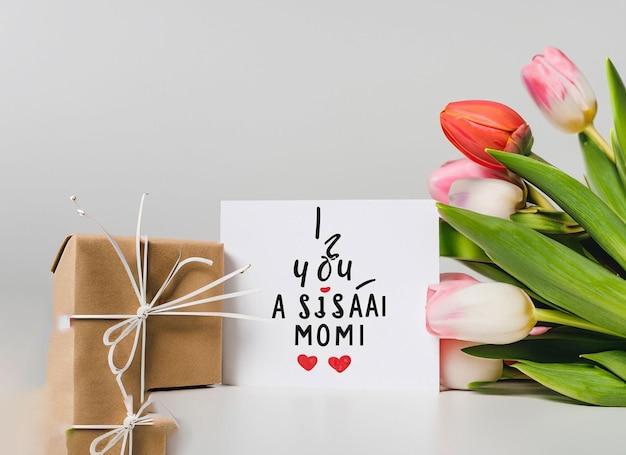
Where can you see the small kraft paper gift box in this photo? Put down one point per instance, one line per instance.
(142, 439)
(146, 439)
(143, 432)
(106, 347)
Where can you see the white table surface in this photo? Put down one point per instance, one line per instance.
(522, 419)
(228, 420)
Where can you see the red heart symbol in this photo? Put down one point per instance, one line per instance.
(307, 362)
(340, 364)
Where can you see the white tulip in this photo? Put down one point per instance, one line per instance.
(493, 197)
(494, 313)
(458, 369)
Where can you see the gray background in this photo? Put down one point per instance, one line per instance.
(200, 101)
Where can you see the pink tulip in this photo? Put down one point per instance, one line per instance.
(458, 369)
(441, 179)
(459, 307)
(560, 90)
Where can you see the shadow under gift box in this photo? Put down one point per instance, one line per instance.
(181, 351)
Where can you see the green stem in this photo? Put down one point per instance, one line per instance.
(539, 199)
(512, 373)
(558, 317)
(593, 133)
(533, 192)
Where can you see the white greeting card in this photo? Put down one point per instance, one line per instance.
(342, 288)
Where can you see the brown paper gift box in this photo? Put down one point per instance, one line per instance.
(181, 351)
(147, 439)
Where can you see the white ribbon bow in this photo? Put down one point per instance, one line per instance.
(122, 432)
(136, 323)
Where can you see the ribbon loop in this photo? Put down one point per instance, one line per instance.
(119, 433)
(130, 325)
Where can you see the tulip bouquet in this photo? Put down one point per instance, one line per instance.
(552, 249)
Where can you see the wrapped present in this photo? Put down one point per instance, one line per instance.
(131, 316)
(140, 433)
(146, 440)
(90, 282)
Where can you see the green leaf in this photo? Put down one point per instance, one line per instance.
(582, 382)
(590, 249)
(479, 384)
(620, 160)
(453, 244)
(564, 318)
(602, 175)
(508, 374)
(598, 219)
(614, 361)
(617, 95)
(558, 345)
(495, 273)
(547, 221)
(550, 269)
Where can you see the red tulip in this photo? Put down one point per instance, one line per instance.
(475, 125)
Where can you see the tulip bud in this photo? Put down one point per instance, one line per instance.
(464, 309)
(491, 197)
(457, 369)
(475, 125)
(560, 90)
(440, 180)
